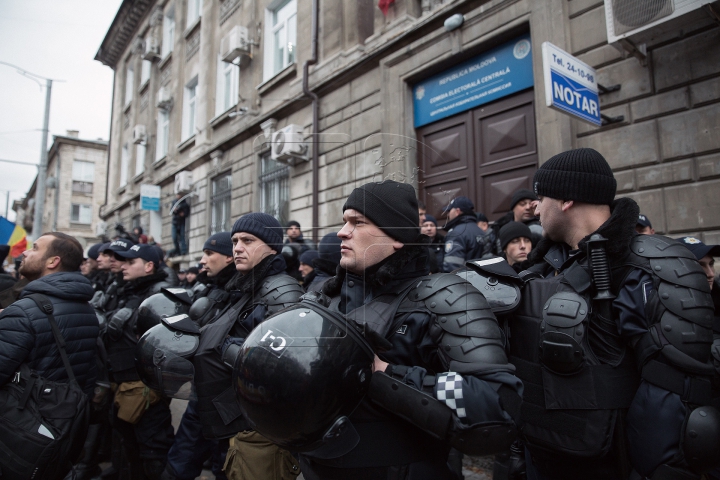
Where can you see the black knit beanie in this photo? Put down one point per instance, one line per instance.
(511, 231)
(582, 175)
(522, 194)
(263, 226)
(391, 205)
(221, 243)
(329, 248)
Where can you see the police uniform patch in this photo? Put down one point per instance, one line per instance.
(449, 390)
(691, 240)
(448, 246)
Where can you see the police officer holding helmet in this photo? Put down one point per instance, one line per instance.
(437, 346)
(611, 339)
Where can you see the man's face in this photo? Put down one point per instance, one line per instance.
(34, 260)
(643, 230)
(483, 225)
(88, 266)
(116, 264)
(305, 269)
(517, 250)
(523, 210)
(293, 232)
(708, 265)
(104, 261)
(363, 243)
(454, 213)
(214, 262)
(550, 212)
(248, 251)
(181, 276)
(191, 277)
(429, 229)
(421, 214)
(135, 268)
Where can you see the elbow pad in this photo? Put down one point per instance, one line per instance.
(437, 418)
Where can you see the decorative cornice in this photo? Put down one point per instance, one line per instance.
(121, 31)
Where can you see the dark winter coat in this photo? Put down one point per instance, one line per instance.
(181, 212)
(461, 242)
(25, 334)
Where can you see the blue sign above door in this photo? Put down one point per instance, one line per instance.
(495, 74)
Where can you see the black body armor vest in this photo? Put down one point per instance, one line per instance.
(577, 374)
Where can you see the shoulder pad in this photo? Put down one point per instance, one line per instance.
(496, 280)
(280, 289)
(688, 303)
(682, 271)
(447, 293)
(658, 246)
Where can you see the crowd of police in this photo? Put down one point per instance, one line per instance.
(564, 342)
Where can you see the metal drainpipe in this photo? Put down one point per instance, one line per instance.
(316, 114)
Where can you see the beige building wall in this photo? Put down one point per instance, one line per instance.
(664, 151)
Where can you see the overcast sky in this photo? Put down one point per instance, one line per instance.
(57, 39)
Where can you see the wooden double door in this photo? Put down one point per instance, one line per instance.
(485, 154)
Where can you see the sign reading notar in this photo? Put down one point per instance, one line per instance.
(499, 72)
(570, 85)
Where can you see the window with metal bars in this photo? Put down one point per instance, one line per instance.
(220, 196)
(274, 188)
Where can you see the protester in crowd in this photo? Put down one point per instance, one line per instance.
(515, 242)
(461, 241)
(326, 263)
(488, 240)
(294, 246)
(89, 267)
(422, 211)
(7, 281)
(383, 258)
(190, 448)
(147, 432)
(52, 267)
(181, 212)
(437, 243)
(141, 237)
(191, 276)
(182, 277)
(306, 267)
(587, 361)
(522, 209)
(260, 289)
(644, 226)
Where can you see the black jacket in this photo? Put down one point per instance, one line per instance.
(25, 334)
(461, 242)
(181, 212)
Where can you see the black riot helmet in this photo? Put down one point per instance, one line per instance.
(162, 356)
(169, 302)
(300, 374)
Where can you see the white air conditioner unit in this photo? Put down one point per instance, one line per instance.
(288, 145)
(635, 20)
(234, 44)
(139, 134)
(183, 182)
(152, 49)
(164, 100)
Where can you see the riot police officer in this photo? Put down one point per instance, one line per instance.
(441, 376)
(611, 338)
(260, 289)
(140, 415)
(191, 448)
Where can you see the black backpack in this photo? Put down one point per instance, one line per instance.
(43, 423)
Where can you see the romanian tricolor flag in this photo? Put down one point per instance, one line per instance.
(14, 236)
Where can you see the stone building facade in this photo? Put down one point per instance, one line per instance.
(77, 177)
(355, 107)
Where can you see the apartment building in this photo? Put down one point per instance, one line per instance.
(76, 179)
(285, 106)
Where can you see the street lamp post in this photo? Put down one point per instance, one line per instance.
(42, 168)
